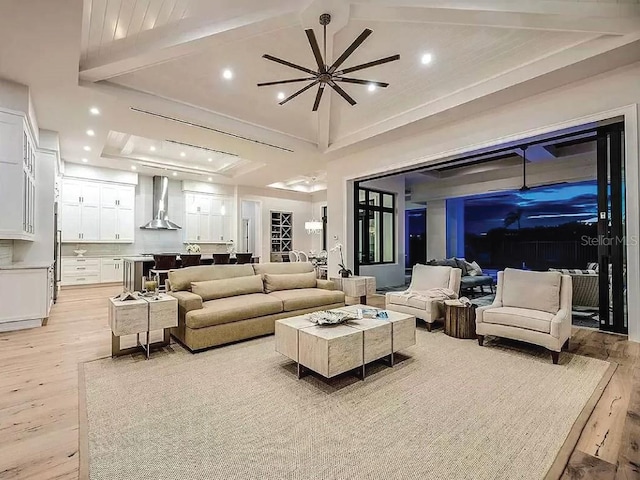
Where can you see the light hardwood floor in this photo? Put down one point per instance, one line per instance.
(39, 394)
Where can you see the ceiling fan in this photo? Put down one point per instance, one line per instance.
(329, 74)
(525, 187)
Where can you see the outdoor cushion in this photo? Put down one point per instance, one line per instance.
(519, 317)
(229, 287)
(233, 309)
(476, 281)
(181, 278)
(532, 290)
(289, 281)
(426, 277)
(302, 298)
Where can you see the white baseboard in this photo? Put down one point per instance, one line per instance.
(19, 325)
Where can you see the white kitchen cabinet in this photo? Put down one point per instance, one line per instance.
(80, 270)
(208, 218)
(111, 270)
(14, 282)
(97, 212)
(17, 177)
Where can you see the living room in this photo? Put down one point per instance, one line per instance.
(290, 138)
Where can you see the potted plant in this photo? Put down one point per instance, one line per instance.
(344, 271)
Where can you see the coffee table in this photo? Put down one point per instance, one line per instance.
(332, 350)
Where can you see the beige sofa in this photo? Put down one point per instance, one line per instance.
(533, 307)
(221, 304)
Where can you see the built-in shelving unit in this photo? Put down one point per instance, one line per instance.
(281, 234)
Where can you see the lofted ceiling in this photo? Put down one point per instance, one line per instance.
(154, 68)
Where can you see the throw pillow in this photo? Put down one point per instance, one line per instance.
(475, 268)
(289, 281)
(461, 263)
(228, 287)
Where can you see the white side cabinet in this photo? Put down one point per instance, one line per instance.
(17, 177)
(80, 271)
(96, 212)
(208, 219)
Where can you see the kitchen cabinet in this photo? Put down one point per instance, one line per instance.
(97, 212)
(14, 282)
(80, 271)
(18, 171)
(111, 270)
(207, 218)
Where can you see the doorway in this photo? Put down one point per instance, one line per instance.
(249, 227)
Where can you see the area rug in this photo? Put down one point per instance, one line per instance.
(449, 409)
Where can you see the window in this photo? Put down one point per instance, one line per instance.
(376, 227)
(324, 227)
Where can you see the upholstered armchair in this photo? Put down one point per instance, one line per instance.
(534, 307)
(430, 287)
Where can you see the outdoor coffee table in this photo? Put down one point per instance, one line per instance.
(332, 350)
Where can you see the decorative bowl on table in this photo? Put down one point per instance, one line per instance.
(327, 317)
(80, 253)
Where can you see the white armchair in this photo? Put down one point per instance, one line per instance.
(423, 279)
(534, 307)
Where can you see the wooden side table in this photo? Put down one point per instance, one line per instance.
(356, 286)
(133, 317)
(459, 319)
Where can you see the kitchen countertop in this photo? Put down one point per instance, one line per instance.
(26, 266)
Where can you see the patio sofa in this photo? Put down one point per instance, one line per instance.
(586, 286)
(221, 304)
(471, 278)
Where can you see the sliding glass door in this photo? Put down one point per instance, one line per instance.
(612, 239)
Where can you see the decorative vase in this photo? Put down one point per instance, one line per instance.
(345, 274)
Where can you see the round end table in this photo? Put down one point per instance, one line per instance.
(459, 319)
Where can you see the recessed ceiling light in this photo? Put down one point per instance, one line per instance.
(91, 133)
(281, 96)
(210, 159)
(175, 173)
(87, 148)
(94, 111)
(182, 154)
(371, 87)
(426, 58)
(227, 74)
(210, 178)
(84, 160)
(133, 167)
(152, 148)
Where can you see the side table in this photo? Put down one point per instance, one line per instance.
(459, 319)
(356, 286)
(143, 315)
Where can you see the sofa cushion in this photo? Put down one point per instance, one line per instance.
(288, 281)
(520, 318)
(462, 265)
(229, 287)
(233, 309)
(302, 298)
(277, 268)
(471, 281)
(532, 290)
(426, 277)
(182, 278)
(473, 269)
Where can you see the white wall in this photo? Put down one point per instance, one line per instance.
(389, 275)
(600, 97)
(6, 252)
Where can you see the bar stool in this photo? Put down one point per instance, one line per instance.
(243, 258)
(190, 260)
(160, 271)
(221, 258)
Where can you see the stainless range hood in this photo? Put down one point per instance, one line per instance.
(160, 206)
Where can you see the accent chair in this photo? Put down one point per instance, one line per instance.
(533, 307)
(417, 299)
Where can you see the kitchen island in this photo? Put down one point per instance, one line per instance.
(136, 267)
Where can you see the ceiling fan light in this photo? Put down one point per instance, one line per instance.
(371, 87)
(426, 59)
(281, 96)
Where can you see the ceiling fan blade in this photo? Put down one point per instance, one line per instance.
(316, 104)
(361, 82)
(356, 43)
(302, 90)
(392, 58)
(311, 36)
(266, 84)
(288, 64)
(342, 93)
